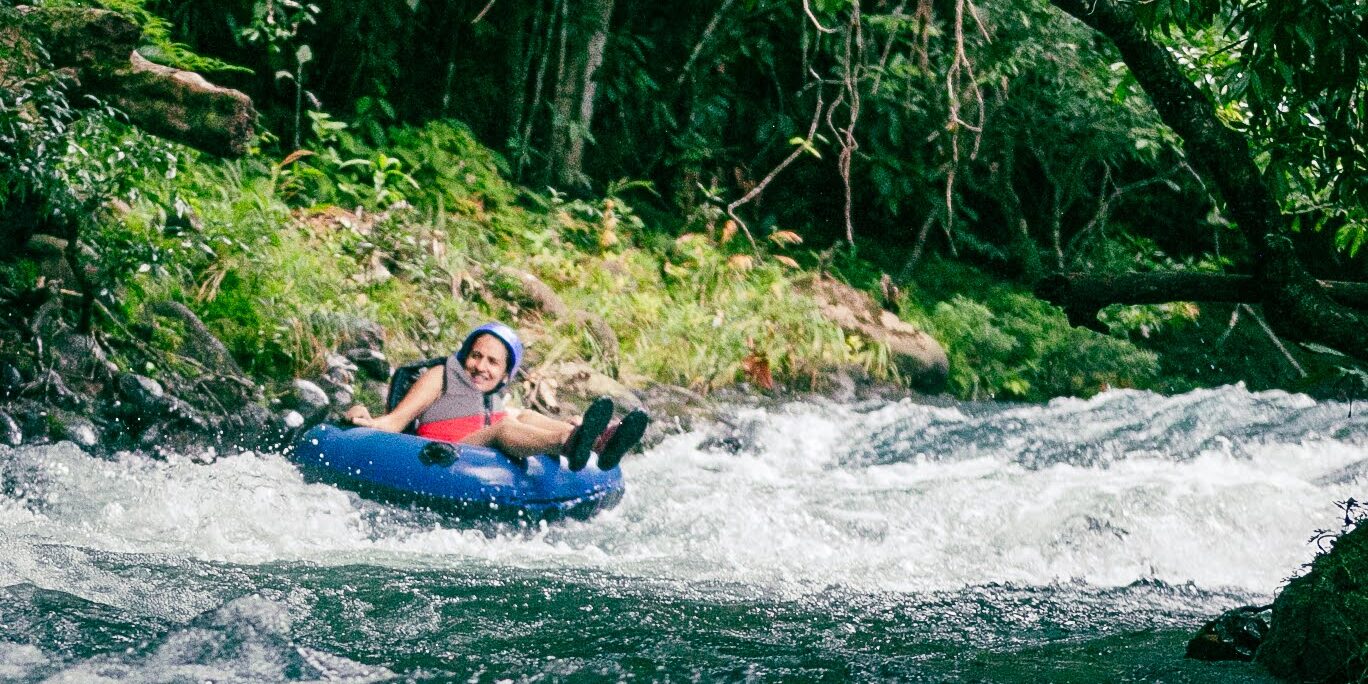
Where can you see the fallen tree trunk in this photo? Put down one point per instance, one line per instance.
(1082, 295)
(98, 46)
(1296, 305)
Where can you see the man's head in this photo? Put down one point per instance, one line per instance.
(491, 355)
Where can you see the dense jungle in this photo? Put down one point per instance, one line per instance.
(931, 226)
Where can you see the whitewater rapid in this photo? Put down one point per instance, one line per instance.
(1219, 489)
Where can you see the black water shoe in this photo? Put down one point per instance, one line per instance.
(581, 441)
(626, 436)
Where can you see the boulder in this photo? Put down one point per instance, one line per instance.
(919, 357)
(341, 371)
(530, 291)
(372, 362)
(199, 343)
(63, 425)
(11, 381)
(95, 49)
(1235, 635)
(578, 383)
(143, 396)
(1319, 630)
(10, 432)
(307, 398)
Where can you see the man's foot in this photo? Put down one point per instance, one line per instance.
(581, 441)
(624, 437)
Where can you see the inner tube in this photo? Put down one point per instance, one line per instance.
(480, 483)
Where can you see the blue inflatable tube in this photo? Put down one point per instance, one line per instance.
(481, 483)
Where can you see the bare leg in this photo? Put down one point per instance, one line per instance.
(519, 439)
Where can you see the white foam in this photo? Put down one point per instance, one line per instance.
(1209, 488)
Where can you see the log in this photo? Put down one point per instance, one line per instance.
(99, 46)
(1082, 295)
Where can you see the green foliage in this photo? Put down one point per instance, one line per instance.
(1008, 345)
(1290, 74)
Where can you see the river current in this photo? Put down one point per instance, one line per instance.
(1077, 541)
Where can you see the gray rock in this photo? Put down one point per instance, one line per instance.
(292, 419)
(79, 355)
(199, 343)
(50, 386)
(371, 362)
(151, 437)
(307, 398)
(76, 429)
(11, 380)
(10, 433)
(342, 398)
(1235, 635)
(144, 395)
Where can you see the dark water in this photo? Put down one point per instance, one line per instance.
(1073, 542)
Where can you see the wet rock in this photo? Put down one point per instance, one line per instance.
(10, 433)
(292, 420)
(371, 362)
(51, 387)
(734, 438)
(151, 437)
(198, 342)
(1320, 620)
(73, 428)
(11, 381)
(79, 356)
(341, 370)
(143, 395)
(1235, 635)
(307, 398)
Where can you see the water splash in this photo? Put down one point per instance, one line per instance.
(1218, 488)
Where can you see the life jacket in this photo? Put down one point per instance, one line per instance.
(460, 410)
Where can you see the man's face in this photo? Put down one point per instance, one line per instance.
(487, 362)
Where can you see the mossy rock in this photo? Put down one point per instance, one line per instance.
(1319, 628)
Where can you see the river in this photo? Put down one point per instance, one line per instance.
(1077, 541)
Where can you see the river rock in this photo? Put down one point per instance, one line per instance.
(10, 433)
(199, 343)
(579, 383)
(341, 371)
(80, 358)
(11, 381)
(73, 428)
(143, 395)
(1235, 635)
(920, 358)
(51, 387)
(1320, 619)
(371, 362)
(307, 398)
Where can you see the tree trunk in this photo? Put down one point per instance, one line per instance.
(1297, 306)
(575, 91)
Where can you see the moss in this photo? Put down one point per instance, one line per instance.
(1319, 629)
